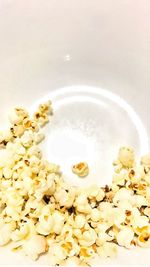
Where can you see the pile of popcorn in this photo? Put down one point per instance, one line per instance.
(41, 213)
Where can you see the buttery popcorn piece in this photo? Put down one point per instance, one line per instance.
(81, 169)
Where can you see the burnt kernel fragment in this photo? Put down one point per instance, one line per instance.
(146, 238)
(135, 186)
(109, 196)
(106, 188)
(46, 199)
(5, 142)
(133, 242)
(97, 204)
(109, 229)
(127, 221)
(131, 173)
(141, 209)
(72, 210)
(27, 162)
(128, 213)
(91, 225)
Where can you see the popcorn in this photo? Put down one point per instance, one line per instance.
(118, 216)
(30, 124)
(122, 195)
(46, 108)
(119, 178)
(81, 203)
(34, 151)
(107, 250)
(58, 219)
(7, 172)
(17, 115)
(65, 198)
(81, 169)
(52, 168)
(80, 221)
(102, 238)
(57, 254)
(27, 139)
(86, 253)
(145, 160)
(125, 236)
(143, 239)
(137, 174)
(35, 246)
(17, 130)
(20, 234)
(95, 215)
(5, 233)
(28, 183)
(140, 221)
(94, 192)
(46, 222)
(13, 213)
(39, 138)
(88, 238)
(42, 115)
(5, 137)
(126, 157)
(138, 201)
(40, 212)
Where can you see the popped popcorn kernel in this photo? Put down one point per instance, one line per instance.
(126, 157)
(125, 236)
(81, 169)
(35, 246)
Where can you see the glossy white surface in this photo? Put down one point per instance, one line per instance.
(90, 124)
(91, 58)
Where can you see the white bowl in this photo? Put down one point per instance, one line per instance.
(90, 58)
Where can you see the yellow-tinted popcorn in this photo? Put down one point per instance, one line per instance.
(81, 169)
(126, 157)
(41, 116)
(30, 124)
(143, 239)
